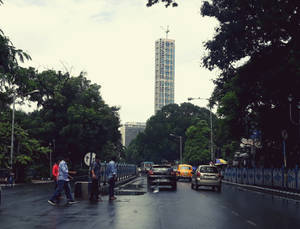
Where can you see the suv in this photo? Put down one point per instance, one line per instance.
(162, 175)
(207, 175)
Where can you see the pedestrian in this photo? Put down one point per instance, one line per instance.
(63, 183)
(111, 172)
(95, 175)
(10, 178)
(55, 173)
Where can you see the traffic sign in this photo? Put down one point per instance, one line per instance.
(87, 158)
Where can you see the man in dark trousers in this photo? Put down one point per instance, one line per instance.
(95, 174)
(111, 172)
(63, 183)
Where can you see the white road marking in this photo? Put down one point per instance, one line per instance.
(251, 223)
(235, 213)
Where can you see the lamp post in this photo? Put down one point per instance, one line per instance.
(212, 155)
(180, 145)
(13, 126)
(290, 99)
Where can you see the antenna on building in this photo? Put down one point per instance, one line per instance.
(166, 31)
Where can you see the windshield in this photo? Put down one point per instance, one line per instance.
(208, 169)
(185, 168)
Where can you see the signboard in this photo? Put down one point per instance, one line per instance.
(87, 158)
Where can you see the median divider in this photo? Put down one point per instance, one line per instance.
(82, 189)
(125, 173)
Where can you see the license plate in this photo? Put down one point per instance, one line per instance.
(162, 180)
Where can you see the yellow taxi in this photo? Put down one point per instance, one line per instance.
(184, 171)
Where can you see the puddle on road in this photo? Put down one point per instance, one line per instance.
(132, 189)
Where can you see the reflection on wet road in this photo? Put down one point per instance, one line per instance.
(138, 207)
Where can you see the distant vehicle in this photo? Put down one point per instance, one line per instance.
(4, 175)
(162, 175)
(206, 175)
(184, 171)
(146, 166)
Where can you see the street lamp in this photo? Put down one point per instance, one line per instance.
(180, 145)
(212, 156)
(13, 125)
(290, 99)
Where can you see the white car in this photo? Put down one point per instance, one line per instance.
(207, 175)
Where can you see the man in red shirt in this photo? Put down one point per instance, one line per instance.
(55, 173)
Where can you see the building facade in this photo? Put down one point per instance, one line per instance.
(164, 73)
(130, 130)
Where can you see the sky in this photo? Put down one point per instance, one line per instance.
(114, 42)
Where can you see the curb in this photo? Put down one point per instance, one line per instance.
(291, 195)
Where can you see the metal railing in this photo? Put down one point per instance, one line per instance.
(270, 177)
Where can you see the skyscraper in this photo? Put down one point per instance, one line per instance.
(164, 72)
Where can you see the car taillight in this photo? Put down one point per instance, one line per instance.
(150, 172)
(198, 174)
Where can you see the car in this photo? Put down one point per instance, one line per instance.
(162, 175)
(4, 174)
(184, 171)
(207, 175)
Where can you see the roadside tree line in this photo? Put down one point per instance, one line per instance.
(71, 117)
(257, 51)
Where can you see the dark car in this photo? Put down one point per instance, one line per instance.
(4, 175)
(162, 175)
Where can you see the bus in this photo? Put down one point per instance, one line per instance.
(146, 166)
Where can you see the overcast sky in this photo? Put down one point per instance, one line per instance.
(114, 41)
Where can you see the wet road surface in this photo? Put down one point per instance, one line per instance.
(136, 207)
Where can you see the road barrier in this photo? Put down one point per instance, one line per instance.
(83, 183)
(270, 177)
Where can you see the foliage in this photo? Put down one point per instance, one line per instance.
(262, 35)
(155, 143)
(197, 146)
(167, 3)
(73, 114)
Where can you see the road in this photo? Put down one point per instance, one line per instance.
(136, 207)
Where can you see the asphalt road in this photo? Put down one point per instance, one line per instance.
(136, 207)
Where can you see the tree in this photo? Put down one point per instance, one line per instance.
(256, 48)
(197, 150)
(155, 143)
(74, 114)
(167, 3)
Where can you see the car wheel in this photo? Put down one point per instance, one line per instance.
(192, 185)
(174, 187)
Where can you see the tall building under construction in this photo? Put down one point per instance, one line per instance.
(164, 72)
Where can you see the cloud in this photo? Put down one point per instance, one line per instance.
(113, 40)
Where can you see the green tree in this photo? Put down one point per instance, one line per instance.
(260, 37)
(197, 145)
(155, 143)
(74, 114)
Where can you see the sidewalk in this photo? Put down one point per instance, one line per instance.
(279, 192)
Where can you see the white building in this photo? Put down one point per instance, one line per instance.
(164, 72)
(130, 130)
